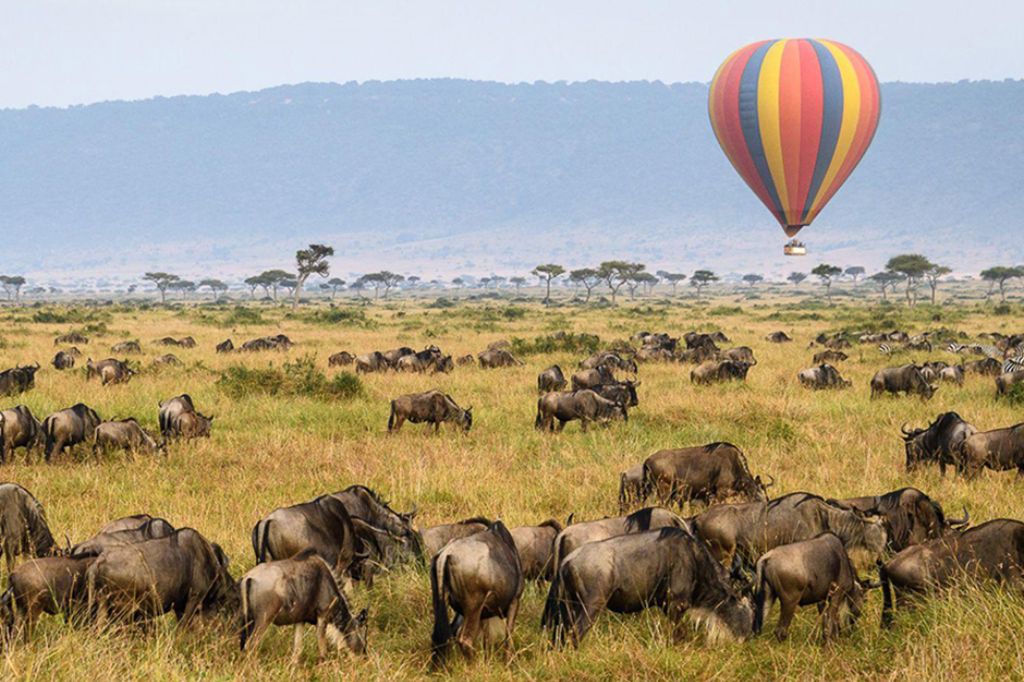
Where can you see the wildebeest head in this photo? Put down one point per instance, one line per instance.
(353, 628)
(465, 419)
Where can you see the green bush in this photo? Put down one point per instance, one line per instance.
(352, 317)
(242, 315)
(300, 377)
(1015, 396)
(560, 342)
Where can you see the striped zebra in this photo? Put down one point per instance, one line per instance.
(1015, 361)
(976, 348)
(886, 349)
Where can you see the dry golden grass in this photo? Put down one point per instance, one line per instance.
(271, 451)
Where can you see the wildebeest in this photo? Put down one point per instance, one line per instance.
(179, 419)
(492, 358)
(425, 360)
(149, 529)
(63, 360)
(829, 356)
(225, 346)
(391, 357)
(699, 355)
(816, 571)
(18, 379)
(536, 547)
(999, 449)
(431, 407)
(371, 362)
(367, 504)
(938, 442)
(110, 371)
(953, 374)
(125, 434)
(183, 573)
(465, 360)
(70, 337)
(931, 370)
(322, 524)
(623, 392)
(18, 429)
(646, 354)
(67, 428)
(740, 354)
(23, 526)
(696, 340)
(986, 366)
(588, 378)
(991, 551)
(299, 591)
(909, 515)
(609, 360)
(276, 342)
(822, 377)
(481, 578)
(747, 530)
(53, 585)
(904, 379)
(586, 406)
(126, 347)
(705, 473)
(667, 568)
(436, 537)
(186, 342)
(715, 371)
(551, 379)
(1006, 380)
(167, 360)
(778, 337)
(340, 359)
(631, 487)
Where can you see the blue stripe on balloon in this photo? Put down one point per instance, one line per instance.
(750, 124)
(831, 119)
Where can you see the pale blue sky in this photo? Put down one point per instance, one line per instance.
(59, 52)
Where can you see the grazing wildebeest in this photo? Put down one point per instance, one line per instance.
(391, 357)
(110, 371)
(18, 429)
(588, 378)
(1006, 380)
(366, 504)
(623, 392)
(430, 407)
(492, 358)
(909, 515)
(126, 523)
(609, 360)
(179, 419)
(551, 379)
(986, 366)
(63, 360)
(125, 434)
(647, 354)
(299, 591)
(183, 573)
(931, 370)
(778, 337)
(436, 537)
(67, 428)
(938, 442)
(167, 360)
(465, 360)
(738, 534)
(371, 362)
(705, 473)
(23, 527)
(71, 337)
(816, 571)
(904, 379)
(999, 450)
(424, 361)
(225, 346)
(586, 406)
(829, 356)
(822, 377)
(953, 374)
(323, 524)
(992, 551)
(481, 578)
(18, 379)
(631, 487)
(699, 355)
(695, 340)
(171, 409)
(341, 359)
(536, 547)
(667, 568)
(740, 354)
(126, 347)
(715, 371)
(149, 529)
(53, 585)
(276, 342)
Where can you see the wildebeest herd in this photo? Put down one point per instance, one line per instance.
(717, 550)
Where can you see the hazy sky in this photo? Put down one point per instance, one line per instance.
(59, 52)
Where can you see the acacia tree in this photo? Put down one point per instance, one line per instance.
(459, 282)
(616, 273)
(184, 286)
(275, 279)
(310, 261)
(547, 273)
(647, 280)
(854, 271)
(933, 275)
(673, 278)
(333, 284)
(254, 282)
(702, 278)
(797, 277)
(752, 279)
(385, 279)
(827, 273)
(886, 280)
(162, 281)
(588, 278)
(913, 267)
(517, 282)
(12, 285)
(215, 285)
(999, 276)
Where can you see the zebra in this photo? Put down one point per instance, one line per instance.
(1015, 362)
(886, 349)
(977, 349)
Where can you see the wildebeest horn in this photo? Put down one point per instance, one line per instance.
(904, 429)
(960, 522)
(769, 485)
(411, 514)
(568, 520)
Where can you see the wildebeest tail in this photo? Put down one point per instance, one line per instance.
(646, 483)
(248, 622)
(7, 611)
(539, 421)
(883, 576)
(391, 417)
(760, 597)
(439, 597)
(260, 540)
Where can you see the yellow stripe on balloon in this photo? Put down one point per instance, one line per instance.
(768, 120)
(848, 127)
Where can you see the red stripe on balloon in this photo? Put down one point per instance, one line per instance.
(811, 107)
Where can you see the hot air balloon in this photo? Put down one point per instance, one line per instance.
(794, 117)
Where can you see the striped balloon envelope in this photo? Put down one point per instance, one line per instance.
(794, 117)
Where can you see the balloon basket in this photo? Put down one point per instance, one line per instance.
(795, 248)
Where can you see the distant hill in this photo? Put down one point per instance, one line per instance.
(451, 176)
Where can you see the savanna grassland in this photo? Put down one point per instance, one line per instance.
(270, 450)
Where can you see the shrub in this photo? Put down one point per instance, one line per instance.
(1015, 395)
(242, 315)
(560, 342)
(352, 317)
(300, 377)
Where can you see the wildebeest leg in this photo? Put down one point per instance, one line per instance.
(321, 638)
(829, 611)
(561, 425)
(510, 622)
(787, 607)
(584, 614)
(584, 424)
(471, 627)
(297, 643)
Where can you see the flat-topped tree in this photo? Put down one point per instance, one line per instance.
(752, 279)
(827, 273)
(913, 267)
(216, 286)
(617, 273)
(334, 284)
(310, 261)
(275, 278)
(517, 282)
(702, 278)
(886, 280)
(853, 272)
(547, 273)
(588, 278)
(12, 285)
(184, 286)
(933, 275)
(999, 276)
(673, 278)
(162, 281)
(796, 277)
(644, 279)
